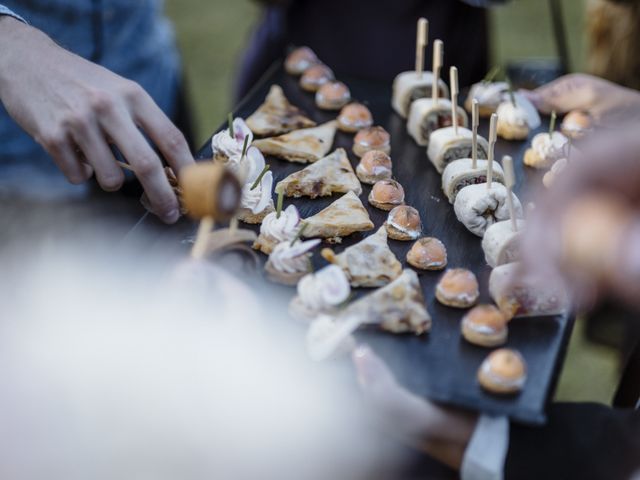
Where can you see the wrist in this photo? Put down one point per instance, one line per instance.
(19, 41)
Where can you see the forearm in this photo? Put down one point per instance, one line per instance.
(448, 435)
(19, 42)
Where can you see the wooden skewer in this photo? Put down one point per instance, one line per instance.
(492, 144)
(126, 166)
(438, 56)
(233, 225)
(199, 249)
(475, 122)
(453, 80)
(510, 181)
(421, 43)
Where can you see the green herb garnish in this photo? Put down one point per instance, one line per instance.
(552, 124)
(257, 182)
(303, 227)
(245, 146)
(491, 74)
(279, 204)
(230, 120)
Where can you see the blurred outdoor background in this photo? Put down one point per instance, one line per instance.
(211, 34)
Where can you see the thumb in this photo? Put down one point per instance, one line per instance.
(371, 370)
(400, 412)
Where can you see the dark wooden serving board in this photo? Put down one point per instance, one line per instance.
(440, 365)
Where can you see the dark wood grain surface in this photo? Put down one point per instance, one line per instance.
(440, 365)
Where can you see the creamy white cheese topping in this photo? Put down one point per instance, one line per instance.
(324, 289)
(412, 233)
(513, 115)
(294, 258)
(249, 167)
(281, 229)
(482, 329)
(489, 93)
(259, 198)
(225, 145)
(550, 147)
(513, 383)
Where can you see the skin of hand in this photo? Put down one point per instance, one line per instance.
(609, 104)
(443, 433)
(585, 230)
(76, 110)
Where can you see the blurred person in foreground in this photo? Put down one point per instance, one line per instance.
(585, 230)
(113, 378)
(374, 40)
(81, 78)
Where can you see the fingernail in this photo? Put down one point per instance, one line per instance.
(361, 351)
(172, 216)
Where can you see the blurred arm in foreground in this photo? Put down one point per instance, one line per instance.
(586, 229)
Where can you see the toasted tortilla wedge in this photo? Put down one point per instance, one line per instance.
(343, 217)
(277, 116)
(305, 146)
(331, 174)
(398, 307)
(369, 263)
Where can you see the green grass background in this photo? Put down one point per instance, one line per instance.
(212, 33)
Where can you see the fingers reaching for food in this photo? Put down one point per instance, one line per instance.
(607, 103)
(78, 111)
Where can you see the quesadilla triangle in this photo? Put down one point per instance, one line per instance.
(305, 146)
(331, 174)
(343, 217)
(368, 263)
(277, 116)
(397, 308)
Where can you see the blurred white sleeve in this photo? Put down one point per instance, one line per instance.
(487, 450)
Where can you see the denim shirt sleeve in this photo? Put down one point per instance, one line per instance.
(5, 11)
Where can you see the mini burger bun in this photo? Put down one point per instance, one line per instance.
(458, 288)
(485, 326)
(503, 372)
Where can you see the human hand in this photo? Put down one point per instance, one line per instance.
(585, 230)
(76, 110)
(441, 432)
(609, 104)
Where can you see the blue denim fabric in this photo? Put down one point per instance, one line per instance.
(5, 11)
(129, 37)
